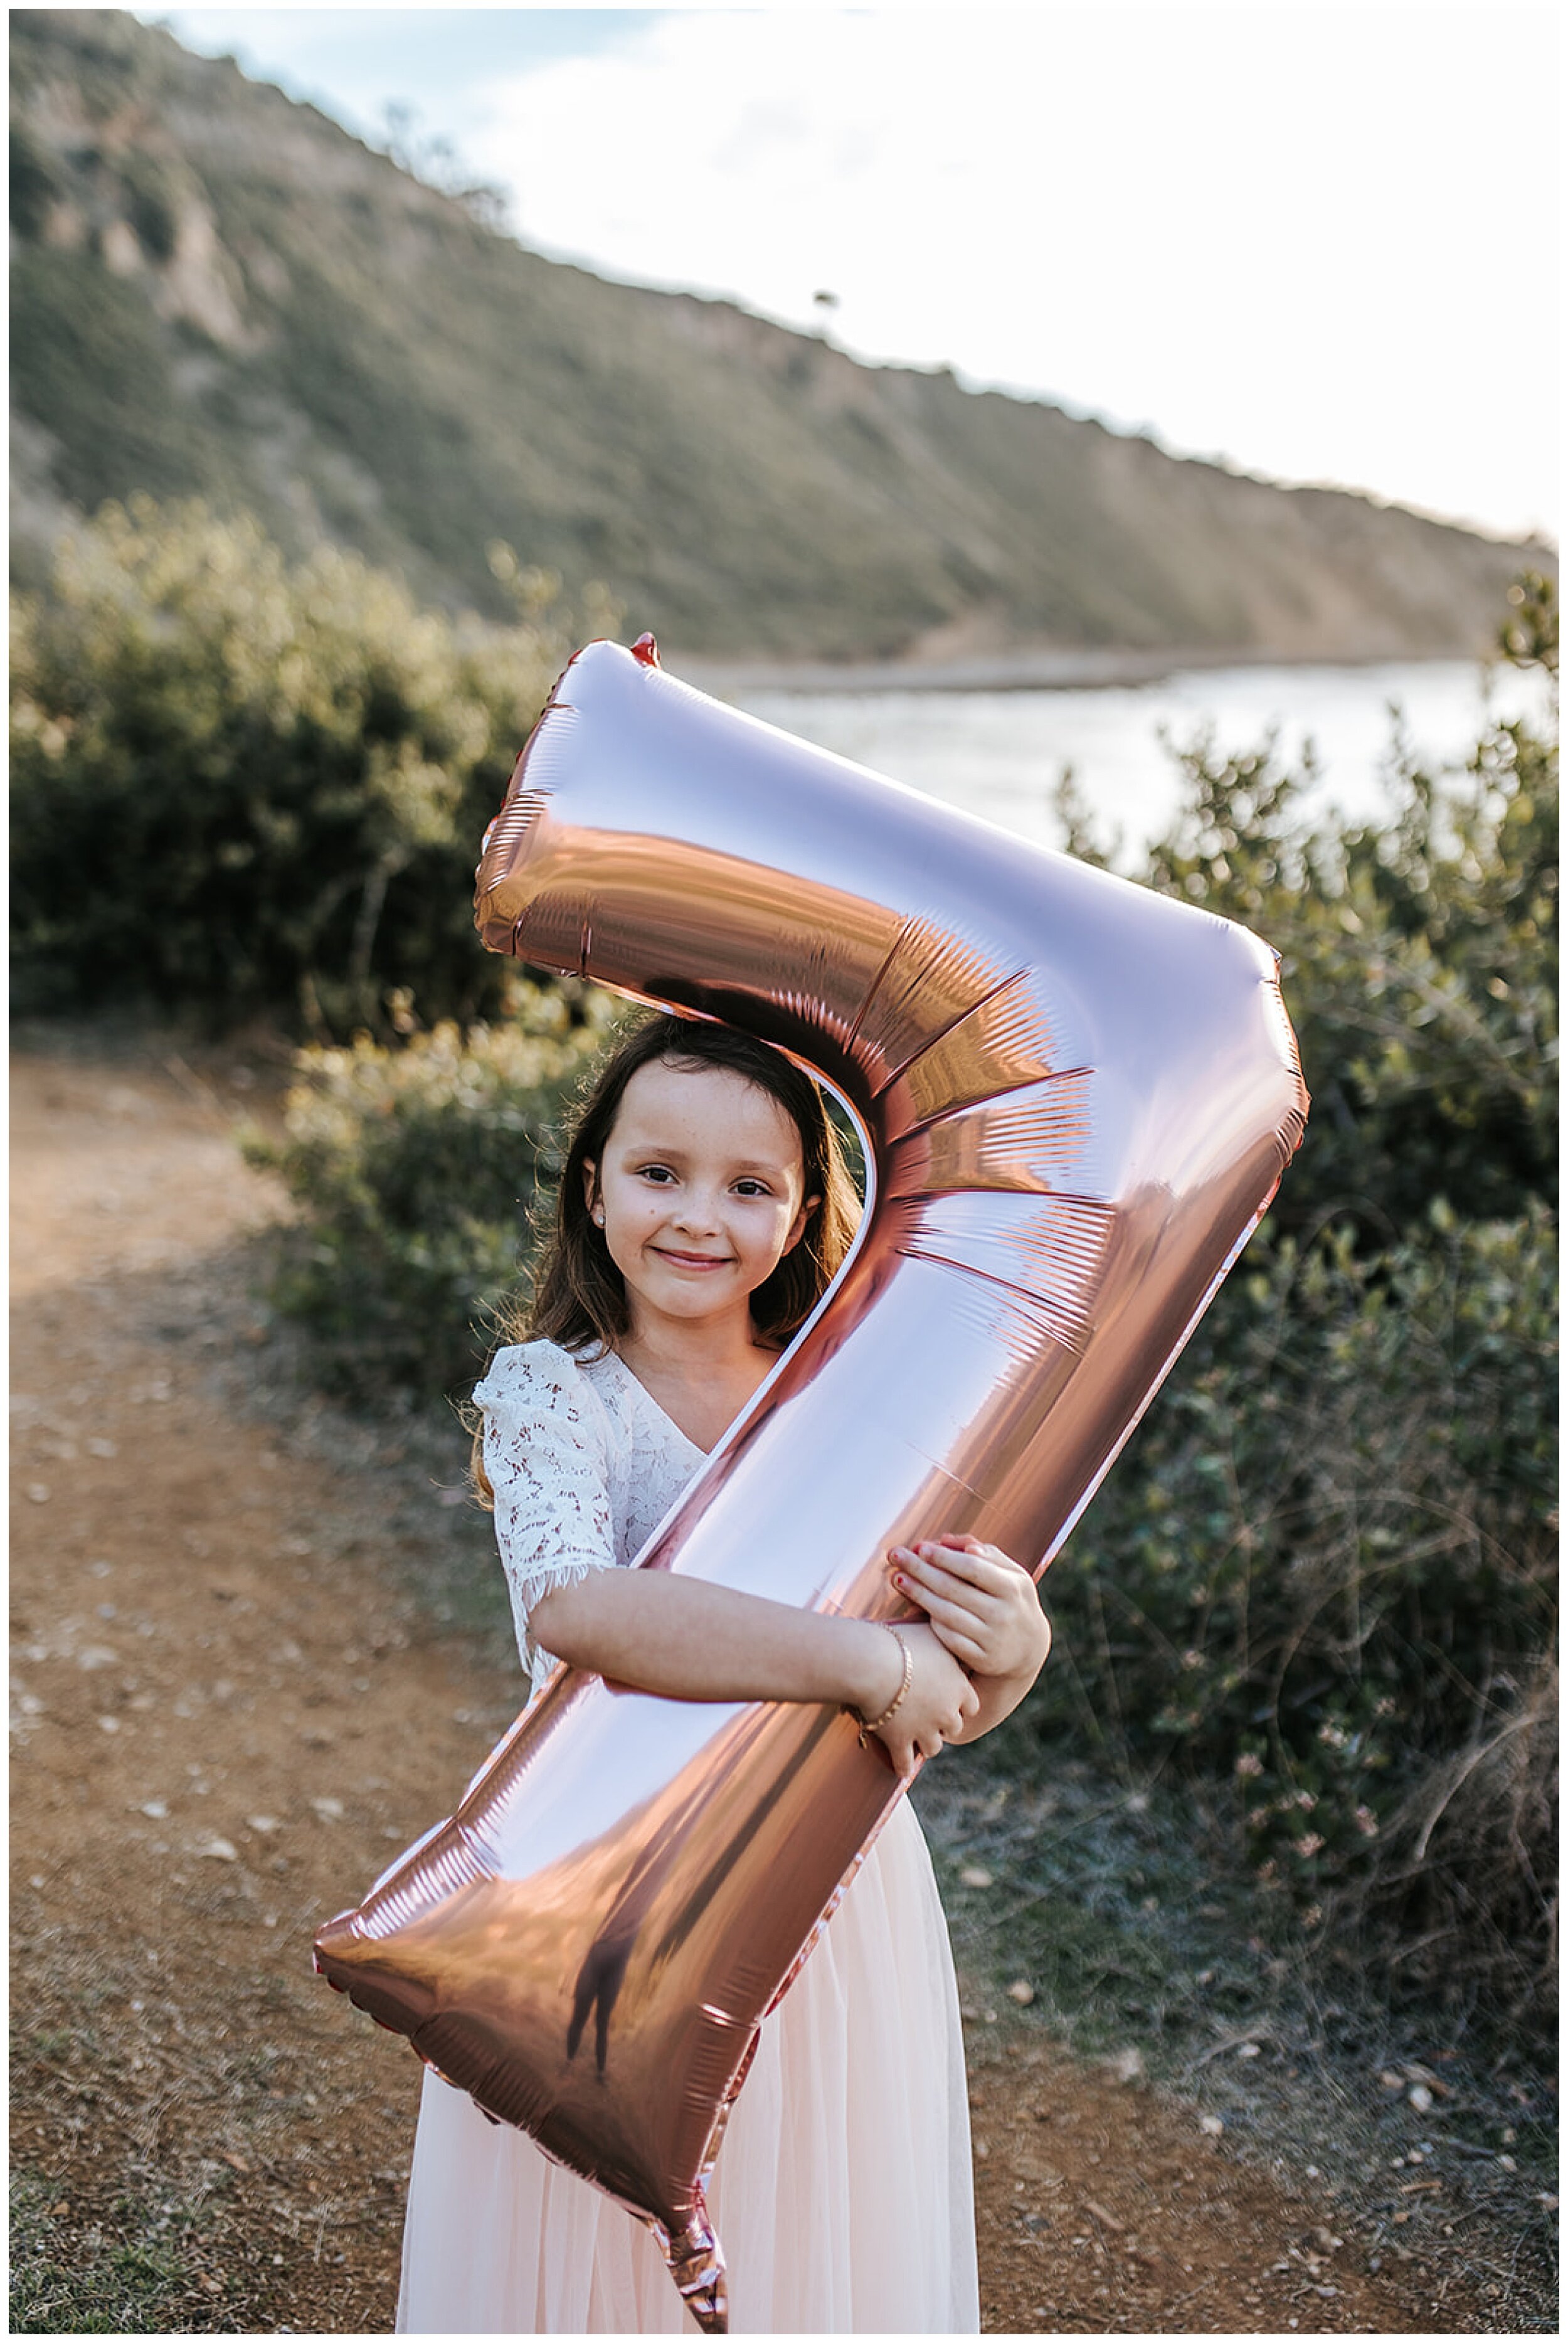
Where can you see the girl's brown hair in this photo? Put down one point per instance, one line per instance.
(578, 1296)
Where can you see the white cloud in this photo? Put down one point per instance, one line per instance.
(1286, 235)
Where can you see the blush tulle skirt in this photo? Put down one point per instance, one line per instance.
(843, 2192)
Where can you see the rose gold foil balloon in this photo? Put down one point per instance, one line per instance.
(1077, 1098)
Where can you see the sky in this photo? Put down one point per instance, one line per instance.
(1315, 242)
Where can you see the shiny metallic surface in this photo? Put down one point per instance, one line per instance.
(1077, 1098)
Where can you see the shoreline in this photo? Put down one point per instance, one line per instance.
(1024, 670)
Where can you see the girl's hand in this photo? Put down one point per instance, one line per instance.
(939, 1703)
(983, 1608)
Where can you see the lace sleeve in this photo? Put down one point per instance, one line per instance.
(546, 1451)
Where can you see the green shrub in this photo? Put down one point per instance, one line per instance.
(1323, 1574)
(1327, 1569)
(415, 1169)
(246, 787)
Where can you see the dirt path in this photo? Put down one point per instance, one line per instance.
(230, 1710)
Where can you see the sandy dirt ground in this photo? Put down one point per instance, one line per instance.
(231, 1708)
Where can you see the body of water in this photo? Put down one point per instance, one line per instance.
(1000, 754)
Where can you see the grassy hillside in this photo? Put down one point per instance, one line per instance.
(217, 290)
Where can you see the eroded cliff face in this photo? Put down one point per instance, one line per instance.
(219, 292)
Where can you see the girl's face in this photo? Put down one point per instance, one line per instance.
(699, 1191)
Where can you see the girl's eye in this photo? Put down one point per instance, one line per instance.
(659, 1172)
(752, 1188)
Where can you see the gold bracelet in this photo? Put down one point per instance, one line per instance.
(875, 1724)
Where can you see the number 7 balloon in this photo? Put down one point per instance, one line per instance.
(1076, 1099)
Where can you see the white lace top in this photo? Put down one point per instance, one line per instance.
(584, 1464)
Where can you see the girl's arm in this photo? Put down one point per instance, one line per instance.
(687, 1640)
(985, 1610)
(546, 1446)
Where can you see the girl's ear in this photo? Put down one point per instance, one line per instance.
(590, 1191)
(798, 1226)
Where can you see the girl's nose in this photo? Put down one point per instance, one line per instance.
(697, 1210)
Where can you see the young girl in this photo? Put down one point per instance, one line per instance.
(703, 1210)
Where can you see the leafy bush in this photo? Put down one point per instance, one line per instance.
(1329, 1569)
(415, 1169)
(1324, 1571)
(1422, 956)
(256, 787)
